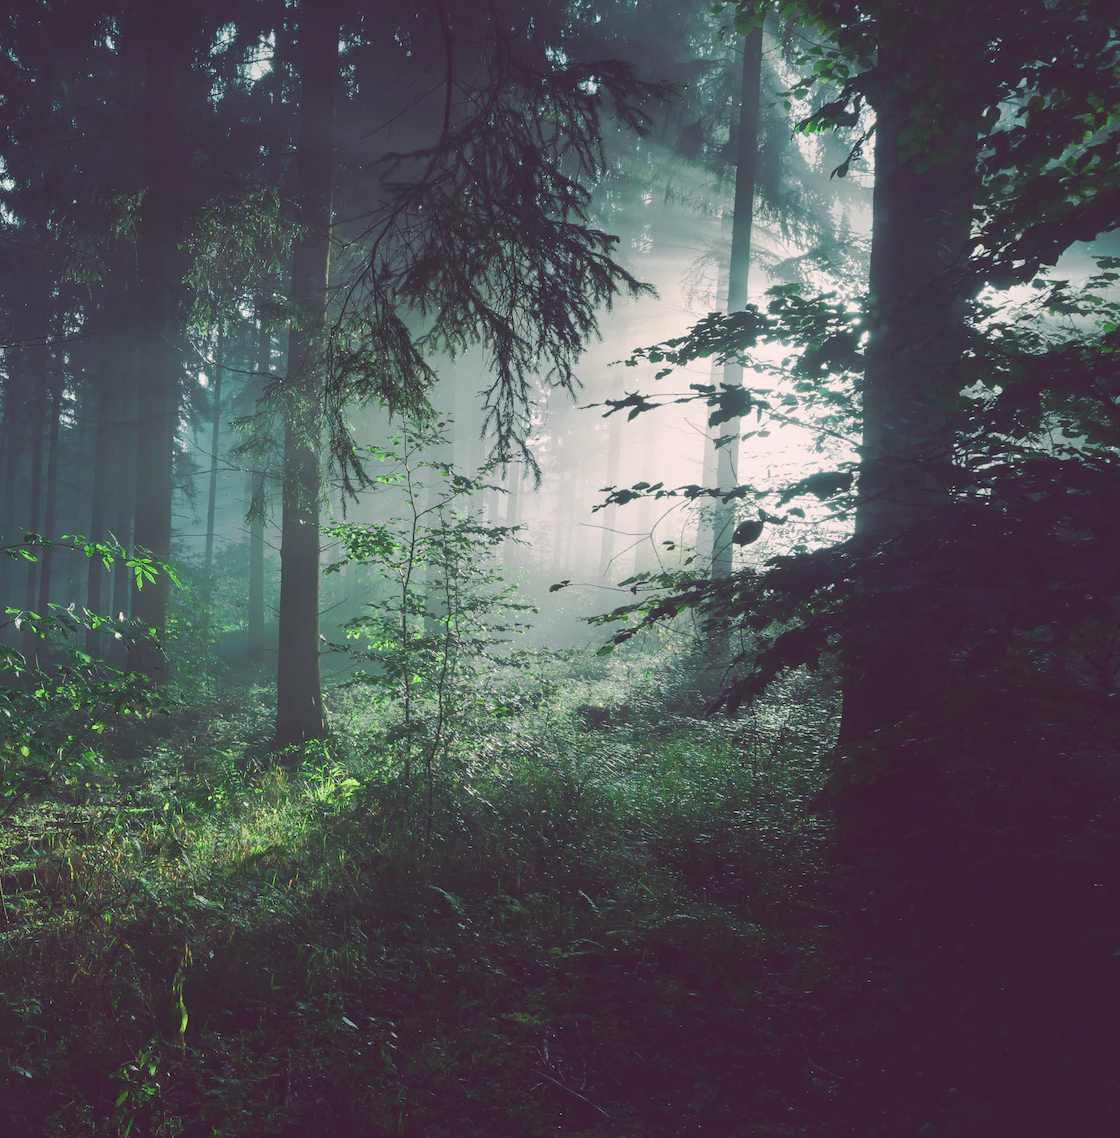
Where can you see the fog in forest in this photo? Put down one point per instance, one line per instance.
(559, 569)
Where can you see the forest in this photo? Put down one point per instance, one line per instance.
(560, 568)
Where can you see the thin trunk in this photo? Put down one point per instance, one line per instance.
(299, 715)
(513, 513)
(614, 460)
(257, 509)
(106, 397)
(51, 503)
(435, 588)
(709, 474)
(645, 548)
(747, 151)
(9, 531)
(124, 489)
(98, 528)
(166, 64)
(215, 435)
(35, 499)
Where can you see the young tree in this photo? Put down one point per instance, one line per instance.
(484, 235)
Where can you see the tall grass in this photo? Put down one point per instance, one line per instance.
(594, 933)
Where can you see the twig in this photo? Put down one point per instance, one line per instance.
(830, 1074)
(449, 81)
(582, 1098)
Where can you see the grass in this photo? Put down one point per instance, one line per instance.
(615, 926)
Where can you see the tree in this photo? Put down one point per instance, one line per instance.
(299, 696)
(746, 145)
(484, 235)
(169, 36)
(257, 502)
(973, 609)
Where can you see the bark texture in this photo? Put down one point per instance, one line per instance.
(911, 388)
(299, 714)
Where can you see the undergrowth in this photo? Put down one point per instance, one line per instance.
(609, 921)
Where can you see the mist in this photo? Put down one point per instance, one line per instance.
(559, 568)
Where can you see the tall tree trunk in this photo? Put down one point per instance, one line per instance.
(255, 643)
(646, 559)
(124, 483)
(513, 513)
(614, 461)
(9, 530)
(443, 400)
(709, 471)
(104, 400)
(107, 398)
(39, 354)
(910, 390)
(727, 461)
(166, 64)
(215, 437)
(299, 714)
(51, 502)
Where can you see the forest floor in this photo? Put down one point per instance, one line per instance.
(618, 918)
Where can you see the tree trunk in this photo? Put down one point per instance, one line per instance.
(107, 397)
(9, 531)
(255, 643)
(910, 390)
(104, 398)
(727, 461)
(299, 715)
(709, 471)
(39, 354)
(124, 484)
(614, 460)
(51, 504)
(435, 592)
(166, 64)
(645, 521)
(215, 437)
(513, 514)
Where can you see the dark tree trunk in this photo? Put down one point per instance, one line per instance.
(910, 390)
(166, 65)
(299, 715)
(727, 462)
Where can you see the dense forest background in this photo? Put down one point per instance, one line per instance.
(559, 567)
